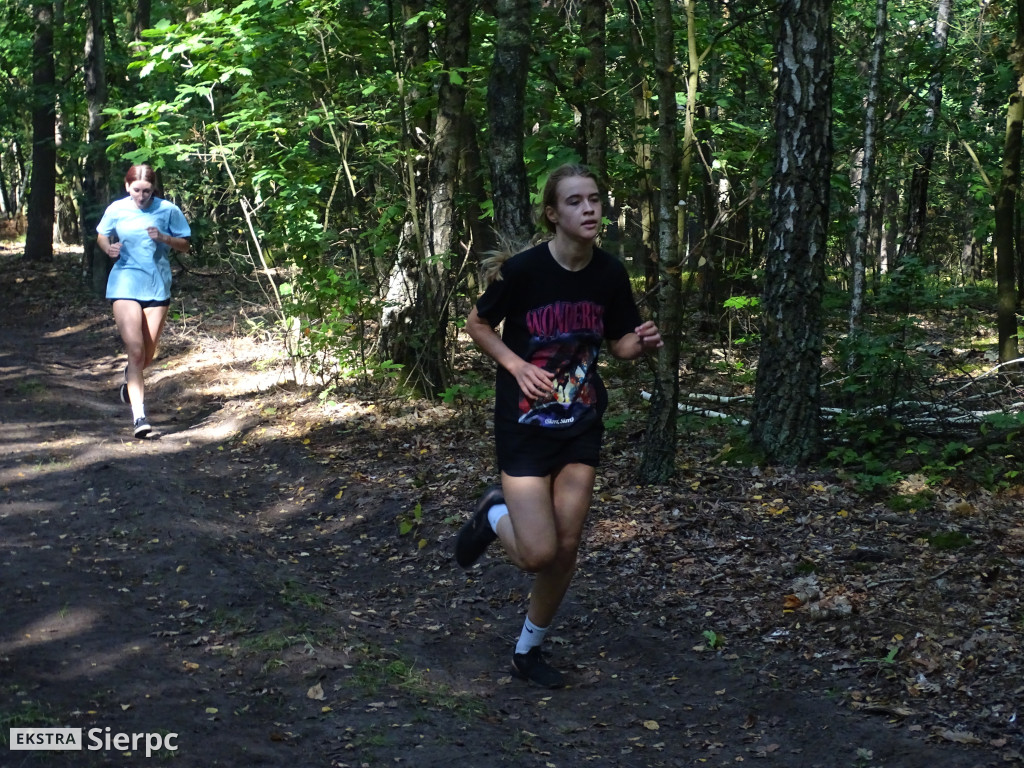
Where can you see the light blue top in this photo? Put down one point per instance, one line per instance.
(143, 270)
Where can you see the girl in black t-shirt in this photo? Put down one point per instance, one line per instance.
(559, 301)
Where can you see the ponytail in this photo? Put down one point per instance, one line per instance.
(490, 265)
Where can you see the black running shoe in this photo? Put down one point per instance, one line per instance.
(142, 427)
(122, 391)
(476, 534)
(530, 666)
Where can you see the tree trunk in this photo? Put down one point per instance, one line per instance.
(141, 20)
(506, 108)
(445, 261)
(41, 205)
(1006, 205)
(414, 324)
(643, 196)
(96, 169)
(657, 463)
(591, 78)
(917, 195)
(888, 230)
(786, 399)
(865, 195)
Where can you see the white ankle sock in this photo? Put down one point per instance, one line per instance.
(494, 514)
(530, 637)
(138, 411)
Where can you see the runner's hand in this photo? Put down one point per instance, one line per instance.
(650, 336)
(534, 382)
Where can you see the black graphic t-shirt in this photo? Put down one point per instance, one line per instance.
(557, 320)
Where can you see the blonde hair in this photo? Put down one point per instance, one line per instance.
(490, 265)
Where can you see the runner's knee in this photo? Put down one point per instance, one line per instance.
(538, 557)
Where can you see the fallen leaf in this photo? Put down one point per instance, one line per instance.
(960, 737)
(316, 693)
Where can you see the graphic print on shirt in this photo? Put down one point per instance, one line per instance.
(565, 338)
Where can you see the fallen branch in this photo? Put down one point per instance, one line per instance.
(933, 577)
(702, 411)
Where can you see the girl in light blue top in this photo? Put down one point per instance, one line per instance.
(147, 228)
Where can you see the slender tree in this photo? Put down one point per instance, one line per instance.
(95, 168)
(42, 195)
(446, 258)
(141, 19)
(786, 400)
(642, 153)
(865, 194)
(591, 79)
(917, 195)
(506, 109)
(413, 324)
(1006, 204)
(659, 451)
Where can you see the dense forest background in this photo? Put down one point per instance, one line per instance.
(819, 201)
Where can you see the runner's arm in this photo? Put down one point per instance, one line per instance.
(633, 344)
(534, 381)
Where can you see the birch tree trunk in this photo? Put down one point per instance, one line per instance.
(866, 193)
(414, 325)
(445, 259)
(785, 424)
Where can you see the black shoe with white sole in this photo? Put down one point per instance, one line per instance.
(476, 534)
(532, 667)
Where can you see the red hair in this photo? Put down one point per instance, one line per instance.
(140, 173)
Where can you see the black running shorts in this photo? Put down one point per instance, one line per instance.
(527, 451)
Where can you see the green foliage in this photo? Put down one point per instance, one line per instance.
(740, 451)
(474, 391)
(949, 540)
(713, 640)
(260, 133)
(329, 304)
(410, 522)
(742, 313)
(891, 364)
(26, 714)
(377, 671)
(913, 501)
(285, 131)
(888, 659)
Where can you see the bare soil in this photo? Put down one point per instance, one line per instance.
(269, 577)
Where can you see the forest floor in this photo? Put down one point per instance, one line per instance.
(269, 578)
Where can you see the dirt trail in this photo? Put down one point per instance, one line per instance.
(242, 579)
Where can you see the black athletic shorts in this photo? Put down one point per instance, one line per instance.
(526, 451)
(146, 303)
